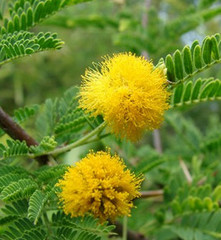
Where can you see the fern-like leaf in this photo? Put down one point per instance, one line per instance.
(69, 124)
(18, 208)
(23, 114)
(192, 60)
(200, 91)
(19, 44)
(50, 174)
(47, 144)
(211, 143)
(26, 14)
(14, 211)
(14, 149)
(78, 229)
(24, 229)
(63, 118)
(203, 226)
(6, 169)
(18, 190)
(195, 199)
(36, 205)
(10, 178)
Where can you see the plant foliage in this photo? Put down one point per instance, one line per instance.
(185, 172)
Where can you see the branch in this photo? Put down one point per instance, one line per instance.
(14, 130)
(186, 172)
(18, 133)
(150, 194)
(157, 141)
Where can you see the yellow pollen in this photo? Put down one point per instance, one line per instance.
(99, 184)
(128, 92)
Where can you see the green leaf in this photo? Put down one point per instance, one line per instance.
(194, 44)
(187, 91)
(18, 208)
(46, 145)
(30, 17)
(202, 90)
(24, 229)
(178, 65)
(38, 11)
(196, 89)
(5, 169)
(51, 174)
(187, 60)
(23, 23)
(16, 23)
(36, 205)
(20, 44)
(10, 178)
(18, 190)
(215, 48)
(32, 12)
(177, 94)
(76, 229)
(170, 68)
(207, 50)
(206, 91)
(197, 57)
(203, 58)
(10, 27)
(200, 226)
(14, 149)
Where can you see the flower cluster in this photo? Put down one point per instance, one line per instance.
(129, 92)
(99, 184)
(132, 97)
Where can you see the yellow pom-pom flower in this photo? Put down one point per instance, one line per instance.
(99, 184)
(128, 91)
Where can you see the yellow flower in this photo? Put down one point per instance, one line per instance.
(129, 93)
(99, 184)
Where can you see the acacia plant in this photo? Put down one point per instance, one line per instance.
(120, 98)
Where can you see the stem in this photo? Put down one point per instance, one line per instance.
(78, 143)
(124, 236)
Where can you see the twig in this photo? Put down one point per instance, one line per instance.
(18, 133)
(80, 142)
(150, 194)
(186, 172)
(124, 232)
(201, 181)
(14, 130)
(157, 141)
